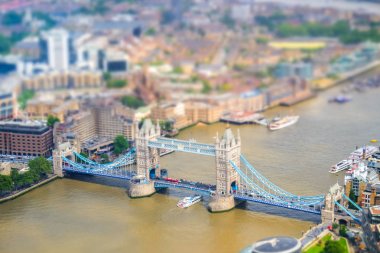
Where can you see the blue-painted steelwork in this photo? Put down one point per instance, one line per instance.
(348, 212)
(183, 146)
(352, 202)
(254, 187)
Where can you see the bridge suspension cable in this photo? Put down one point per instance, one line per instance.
(274, 188)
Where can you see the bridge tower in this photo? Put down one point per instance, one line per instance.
(227, 180)
(147, 160)
(62, 150)
(328, 212)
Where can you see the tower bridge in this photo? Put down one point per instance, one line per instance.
(236, 179)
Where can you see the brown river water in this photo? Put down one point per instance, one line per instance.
(72, 215)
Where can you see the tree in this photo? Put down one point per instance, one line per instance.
(5, 184)
(84, 154)
(5, 44)
(166, 125)
(150, 32)
(24, 97)
(40, 165)
(51, 120)
(117, 83)
(105, 158)
(206, 87)
(333, 247)
(132, 102)
(106, 76)
(227, 20)
(120, 144)
(353, 198)
(12, 18)
(167, 17)
(178, 70)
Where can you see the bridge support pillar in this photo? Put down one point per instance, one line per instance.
(140, 190)
(57, 163)
(327, 216)
(221, 204)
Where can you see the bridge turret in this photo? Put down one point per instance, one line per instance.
(147, 159)
(334, 194)
(227, 180)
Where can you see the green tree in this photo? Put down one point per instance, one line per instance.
(6, 184)
(167, 17)
(24, 97)
(12, 18)
(206, 87)
(84, 154)
(116, 83)
(343, 231)
(333, 247)
(227, 20)
(353, 198)
(51, 120)
(40, 165)
(105, 158)
(5, 44)
(106, 76)
(150, 32)
(120, 144)
(262, 40)
(178, 70)
(166, 125)
(49, 22)
(132, 101)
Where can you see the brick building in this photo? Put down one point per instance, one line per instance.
(19, 138)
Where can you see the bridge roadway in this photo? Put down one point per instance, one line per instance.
(195, 187)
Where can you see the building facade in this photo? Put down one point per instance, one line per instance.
(25, 139)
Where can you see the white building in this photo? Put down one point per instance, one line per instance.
(57, 42)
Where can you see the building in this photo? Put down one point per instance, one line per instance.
(96, 125)
(115, 62)
(43, 106)
(202, 112)
(302, 70)
(371, 228)
(370, 196)
(52, 80)
(56, 45)
(287, 92)
(25, 138)
(7, 105)
(361, 182)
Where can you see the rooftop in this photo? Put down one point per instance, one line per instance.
(375, 210)
(23, 127)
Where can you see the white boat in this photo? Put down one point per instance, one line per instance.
(283, 122)
(189, 201)
(363, 153)
(342, 165)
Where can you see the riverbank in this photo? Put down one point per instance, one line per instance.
(22, 192)
(324, 84)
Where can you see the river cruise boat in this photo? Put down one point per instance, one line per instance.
(286, 121)
(342, 165)
(189, 201)
(363, 153)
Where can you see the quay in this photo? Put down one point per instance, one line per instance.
(19, 193)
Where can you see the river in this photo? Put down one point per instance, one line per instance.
(75, 216)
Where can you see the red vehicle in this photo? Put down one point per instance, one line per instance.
(171, 180)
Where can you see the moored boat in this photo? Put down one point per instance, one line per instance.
(283, 122)
(342, 165)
